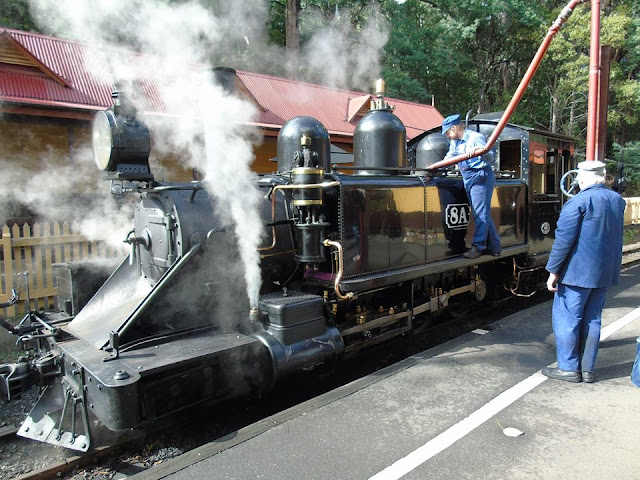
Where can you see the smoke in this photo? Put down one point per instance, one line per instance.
(339, 56)
(229, 156)
(177, 41)
(58, 191)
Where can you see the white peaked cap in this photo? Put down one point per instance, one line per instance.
(593, 166)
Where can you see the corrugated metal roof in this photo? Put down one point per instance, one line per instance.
(65, 60)
(289, 99)
(27, 87)
(78, 76)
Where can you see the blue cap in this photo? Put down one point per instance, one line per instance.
(450, 121)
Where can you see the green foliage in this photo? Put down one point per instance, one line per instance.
(631, 235)
(16, 14)
(421, 58)
(629, 155)
(276, 29)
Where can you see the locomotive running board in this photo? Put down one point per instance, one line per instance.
(386, 278)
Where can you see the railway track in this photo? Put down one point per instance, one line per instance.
(630, 255)
(8, 431)
(251, 418)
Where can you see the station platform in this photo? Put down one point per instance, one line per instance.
(444, 414)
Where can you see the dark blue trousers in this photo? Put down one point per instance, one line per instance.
(577, 317)
(479, 186)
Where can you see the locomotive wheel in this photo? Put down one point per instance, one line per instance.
(422, 322)
(481, 290)
(462, 308)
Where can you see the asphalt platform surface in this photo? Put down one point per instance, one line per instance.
(446, 413)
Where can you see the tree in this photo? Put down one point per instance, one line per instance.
(16, 14)
(568, 81)
(417, 62)
(629, 155)
(293, 37)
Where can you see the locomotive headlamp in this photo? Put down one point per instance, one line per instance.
(102, 139)
(121, 145)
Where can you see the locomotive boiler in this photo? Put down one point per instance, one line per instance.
(353, 256)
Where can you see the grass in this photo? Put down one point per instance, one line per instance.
(631, 234)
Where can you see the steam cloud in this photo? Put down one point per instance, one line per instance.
(179, 40)
(60, 192)
(339, 57)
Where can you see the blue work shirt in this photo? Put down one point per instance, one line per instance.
(470, 140)
(587, 251)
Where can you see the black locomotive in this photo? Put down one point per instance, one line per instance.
(354, 256)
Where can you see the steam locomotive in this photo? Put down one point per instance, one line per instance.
(354, 256)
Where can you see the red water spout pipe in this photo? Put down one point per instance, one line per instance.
(594, 82)
(524, 83)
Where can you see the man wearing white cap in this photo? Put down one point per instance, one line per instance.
(585, 260)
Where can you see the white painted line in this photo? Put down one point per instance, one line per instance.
(620, 323)
(459, 430)
(480, 416)
(480, 331)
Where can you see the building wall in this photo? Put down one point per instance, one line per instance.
(30, 145)
(31, 142)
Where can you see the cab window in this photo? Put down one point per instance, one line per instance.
(510, 155)
(544, 171)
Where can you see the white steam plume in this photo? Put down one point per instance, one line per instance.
(60, 192)
(229, 156)
(339, 56)
(176, 41)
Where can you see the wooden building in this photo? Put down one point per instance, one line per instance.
(48, 98)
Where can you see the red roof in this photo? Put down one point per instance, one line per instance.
(52, 72)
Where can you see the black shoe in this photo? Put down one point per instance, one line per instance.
(456, 250)
(473, 252)
(495, 254)
(588, 377)
(557, 374)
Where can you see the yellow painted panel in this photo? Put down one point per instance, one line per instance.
(408, 200)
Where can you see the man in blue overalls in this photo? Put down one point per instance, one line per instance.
(584, 261)
(478, 180)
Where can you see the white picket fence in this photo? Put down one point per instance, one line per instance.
(34, 249)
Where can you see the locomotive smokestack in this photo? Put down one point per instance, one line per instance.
(122, 104)
(226, 78)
